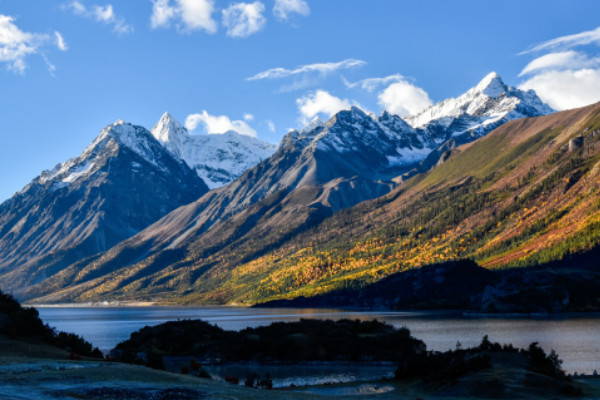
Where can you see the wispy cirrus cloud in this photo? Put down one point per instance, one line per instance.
(16, 45)
(568, 76)
(271, 125)
(103, 14)
(561, 60)
(568, 41)
(372, 84)
(60, 41)
(307, 75)
(317, 68)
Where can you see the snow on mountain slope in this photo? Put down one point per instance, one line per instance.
(481, 107)
(390, 141)
(385, 141)
(121, 183)
(220, 159)
(315, 172)
(119, 133)
(217, 159)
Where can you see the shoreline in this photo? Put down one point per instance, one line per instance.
(425, 313)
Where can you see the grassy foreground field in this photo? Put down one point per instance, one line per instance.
(30, 370)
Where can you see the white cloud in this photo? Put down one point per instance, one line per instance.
(284, 8)
(371, 84)
(162, 13)
(77, 8)
(569, 41)
(562, 60)
(188, 15)
(16, 45)
(244, 19)
(271, 125)
(566, 89)
(104, 14)
(568, 78)
(51, 67)
(60, 41)
(248, 117)
(403, 98)
(321, 102)
(319, 68)
(215, 124)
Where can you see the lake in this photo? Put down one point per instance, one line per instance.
(575, 338)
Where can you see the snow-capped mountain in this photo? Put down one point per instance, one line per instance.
(315, 172)
(121, 183)
(217, 159)
(403, 142)
(374, 143)
(482, 108)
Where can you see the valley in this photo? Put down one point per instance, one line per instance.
(345, 203)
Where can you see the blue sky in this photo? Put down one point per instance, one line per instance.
(68, 68)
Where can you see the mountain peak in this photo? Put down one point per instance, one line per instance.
(166, 117)
(217, 159)
(312, 125)
(167, 128)
(356, 110)
(491, 84)
(480, 109)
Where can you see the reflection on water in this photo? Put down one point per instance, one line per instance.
(575, 339)
(304, 374)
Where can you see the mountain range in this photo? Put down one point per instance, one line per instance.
(294, 223)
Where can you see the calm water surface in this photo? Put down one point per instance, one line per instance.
(575, 339)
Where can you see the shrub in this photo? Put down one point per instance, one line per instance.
(549, 365)
(26, 323)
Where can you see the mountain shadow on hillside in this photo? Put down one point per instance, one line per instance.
(566, 285)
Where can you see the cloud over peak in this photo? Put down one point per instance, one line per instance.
(320, 102)
(403, 98)
(217, 124)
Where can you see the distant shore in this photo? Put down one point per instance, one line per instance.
(98, 304)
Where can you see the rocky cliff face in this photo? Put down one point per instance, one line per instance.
(122, 182)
